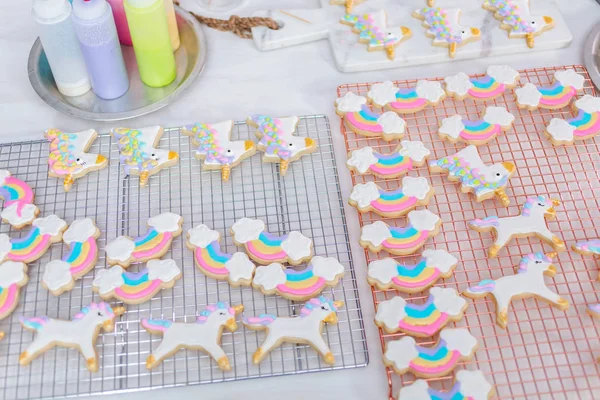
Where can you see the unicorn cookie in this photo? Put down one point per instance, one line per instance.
(528, 282)
(444, 28)
(299, 285)
(516, 18)
(204, 334)
(125, 250)
(372, 30)
(531, 222)
(266, 248)
(406, 157)
(79, 333)
(215, 147)
(565, 86)
(362, 121)
(406, 100)
(378, 236)
(212, 262)
(468, 385)
(19, 209)
(594, 310)
(60, 275)
(493, 122)
(467, 167)
(422, 320)
(497, 80)
(136, 287)
(387, 274)
(305, 328)
(455, 345)
(278, 142)
(584, 126)
(43, 233)
(587, 248)
(139, 153)
(13, 276)
(69, 159)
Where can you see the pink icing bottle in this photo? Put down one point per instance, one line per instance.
(118, 11)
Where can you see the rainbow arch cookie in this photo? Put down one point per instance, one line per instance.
(19, 209)
(406, 100)
(584, 126)
(299, 285)
(565, 86)
(468, 385)
(43, 233)
(13, 276)
(406, 157)
(493, 122)
(497, 80)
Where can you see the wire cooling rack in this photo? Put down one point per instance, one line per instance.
(544, 352)
(307, 199)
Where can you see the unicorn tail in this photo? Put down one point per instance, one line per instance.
(260, 322)
(33, 323)
(156, 326)
(489, 222)
(482, 288)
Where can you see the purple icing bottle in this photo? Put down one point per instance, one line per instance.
(97, 34)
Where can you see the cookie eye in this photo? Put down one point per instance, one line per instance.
(221, 313)
(100, 314)
(323, 308)
(497, 173)
(463, 32)
(532, 22)
(152, 155)
(291, 145)
(541, 205)
(78, 159)
(229, 151)
(538, 262)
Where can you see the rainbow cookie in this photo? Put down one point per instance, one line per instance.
(444, 28)
(13, 276)
(136, 287)
(60, 275)
(125, 250)
(468, 385)
(68, 157)
(266, 248)
(587, 248)
(299, 285)
(565, 86)
(528, 282)
(422, 320)
(594, 310)
(406, 100)
(212, 262)
(204, 334)
(43, 233)
(406, 157)
(19, 209)
(493, 122)
(584, 126)
(388, 274)
(497, 80)
(454, 345)
(395, 203)
(215, 147)
(362, 121)
(378, 236)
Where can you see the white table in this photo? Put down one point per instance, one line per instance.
(295, 81)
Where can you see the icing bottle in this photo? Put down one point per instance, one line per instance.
(151, 41)
(172, 23)
(118, 11)
(97, 34)
(55, 27)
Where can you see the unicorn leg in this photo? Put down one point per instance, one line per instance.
(219, 355)
(552, 297)
(555, 241)
(88, 352)
(265, 348)
(499, 243)
(502, 304)
(162, 351)
(34, 349)
(323, 349)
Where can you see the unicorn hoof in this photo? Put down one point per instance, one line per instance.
(563, 304)
(493, 251)
(92, 364)
(329, 358)
(502, 319)
(257, 356)
(224, 363)
(150, 361)
(24, 358)
(1, 335)
(558, 243)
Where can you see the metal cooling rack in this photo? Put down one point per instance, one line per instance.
(307, 199)
(544, 352)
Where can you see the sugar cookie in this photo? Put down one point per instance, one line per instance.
(79, 333)
(454, 345)
(299, 285)
(528, 282)
(493, 122)
(422, 320)
(584, 126)
(444, 28)
(278, 142)
(378, 236)
(266, 248)
(594, 310)
(405, 158)
(497, 80)
(43, 233)
(154, 244)
(587, 248)
(13, 276)
(395, 203)
(565, 86)
(306, 328)
(212, 262)
(467, 167)
(203, 335)
(388, 274)
(215, 147)
(19, 209)
(60, 275)
(68, 157)
(406, 100)
(139, 152)
(468, 385)
(136, 287)
(362, 121)
(531, 222)
(349, 4)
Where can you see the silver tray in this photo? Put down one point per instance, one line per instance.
(139, 99)
(591, 55)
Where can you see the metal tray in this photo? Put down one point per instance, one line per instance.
(139, 99)
(591, 54)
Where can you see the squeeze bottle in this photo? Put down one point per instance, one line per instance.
(121, 21)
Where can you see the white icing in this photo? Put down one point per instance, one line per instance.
(57, 275)
(423, 220)
(560, 129)
(401, 352)
(164, 270)
(364, 193)
(233, 149)
(503, 74)
(297, 246)
(452, 126)
(498, 115)
(50, 225)
(383, 270)
(240, 267)
(414, 149)
(432, 91)
(492, 173)
(362, 159)
(440, 259)
(246, 230)
(201, 236)
(12, 272)
(570, 78)
(419, 390)
(77, 146)
(120, 249)
(28, 213)
(149, 136)
(268, 277)
(375, 233)
(459, 84)
(165, 222)
(391, 312)
(5, 246)
(328, 268)
(588, 104)
(447, 300)
(382, 93)
(80, 230)
(459, 339)
(415, 187)
(473, 384)
(350, 102)
(528, 95)
(391, 123)
(4, 173)
(107, 280)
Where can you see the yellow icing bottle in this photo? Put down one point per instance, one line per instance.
(172, 22)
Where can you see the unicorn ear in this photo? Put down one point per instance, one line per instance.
(556, 202)
(238, 309)
(551, 255)
(119, 310)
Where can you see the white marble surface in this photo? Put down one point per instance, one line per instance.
(240, 80)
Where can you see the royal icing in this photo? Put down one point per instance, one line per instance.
(497, 79)
(19, 209)
(13, 276)
(406, 100)
(594, 310)
(493, 122)
(588, 248)
(43, 233)
(565, 86)
(405, 158)
(468, 385)
(584, 126)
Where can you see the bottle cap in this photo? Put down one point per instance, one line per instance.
(89, 9)
(141, 3)
(50, 9)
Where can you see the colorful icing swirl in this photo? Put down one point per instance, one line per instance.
(152, 243)
(408, 99)
(137, 286)
(440, 25)
(391, 164)
(62, 159)
(82, 256)
(405, 238)
(272, 131)
(479, 130)
(416, 276)
(394, 201)
(486, 87)
(585, 124)
(555, 95)
(590, 246)
(29, 248)
(369, 32)
(458, 166)
(15, 191)
(267, 247)
(206, 138)
(133, 150)
(365, 120)
(212, 259)
(511, 15)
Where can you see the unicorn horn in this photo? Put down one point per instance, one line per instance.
(551, 255)
(239, 308)
(503, 197)
(119, 310)
(225, 172)
(391, 52)
(530, 40)
(349, 5)
(144, 175)
(283, 167)
(68, 182)
(556, 202)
